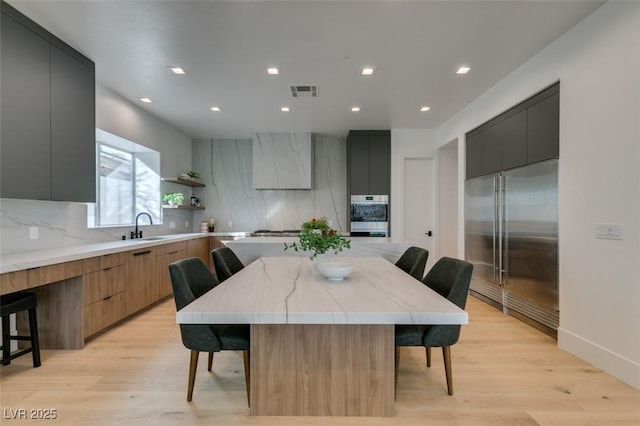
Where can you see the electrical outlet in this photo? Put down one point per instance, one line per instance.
(230, 224)
(186, 224)
(33, 233)
(611, 231)
(172, 225)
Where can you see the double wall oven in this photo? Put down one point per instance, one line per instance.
(369, 215)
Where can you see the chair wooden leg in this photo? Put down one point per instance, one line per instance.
(246, 357)
(210, 362)
(192, 374)
(446, 353)
(397, 369)
(428, 351)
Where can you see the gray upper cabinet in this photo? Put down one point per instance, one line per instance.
(543, 128)
(525, 134)
(26, 113)
(48, 115)
(73, 169)
(369, 162)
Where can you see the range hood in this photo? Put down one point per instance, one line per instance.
(282, 160)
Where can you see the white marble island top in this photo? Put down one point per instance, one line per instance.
(283, 290)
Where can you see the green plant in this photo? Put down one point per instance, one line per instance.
(194, 175)
(174, 198)
(317, 237)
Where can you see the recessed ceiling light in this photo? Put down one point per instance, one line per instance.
(146, 100)
(425, 109)
(178, 70)
(285, 109)
(463, 70)
(355, 109)
(367, 71)
(273, 71)
(215, 109)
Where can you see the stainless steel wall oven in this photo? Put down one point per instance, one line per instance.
(370, 215)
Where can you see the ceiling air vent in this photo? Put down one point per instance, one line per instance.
(299, 91)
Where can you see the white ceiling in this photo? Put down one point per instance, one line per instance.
(226, 47)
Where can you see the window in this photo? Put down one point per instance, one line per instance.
(128, 182)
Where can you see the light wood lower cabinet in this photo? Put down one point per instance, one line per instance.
(200, 247)
(165, 255)
(104, 283)
(142, 286)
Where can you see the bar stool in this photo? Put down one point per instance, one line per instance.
(13, 303)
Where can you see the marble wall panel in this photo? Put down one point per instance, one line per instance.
(226, 168)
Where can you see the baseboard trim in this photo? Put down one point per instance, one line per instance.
(622, 368)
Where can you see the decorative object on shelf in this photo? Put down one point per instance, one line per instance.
(211, 224)
(335, 270)
(173, 198)
(193, 175)
(195, 201)
(317, 237)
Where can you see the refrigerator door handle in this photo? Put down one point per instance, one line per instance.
(496, 266)
(503, 230)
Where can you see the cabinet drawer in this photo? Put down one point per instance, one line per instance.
(102, 262)
(52, 273)
(103, 313)
(104, 283)
(171, 248)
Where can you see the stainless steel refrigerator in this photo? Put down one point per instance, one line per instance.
(511, 238)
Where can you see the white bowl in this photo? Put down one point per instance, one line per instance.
(335, 270)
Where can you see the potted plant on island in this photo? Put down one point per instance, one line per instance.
(317, 237)
(173, 198)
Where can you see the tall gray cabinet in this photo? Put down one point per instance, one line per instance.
(369, 162)
(47, 117)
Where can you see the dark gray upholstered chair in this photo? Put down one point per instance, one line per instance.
(413, 261)
(450, 278)
(190, 279)
(225, 262)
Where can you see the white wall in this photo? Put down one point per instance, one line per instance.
(120, 117)
(598, 66)
(447, 201)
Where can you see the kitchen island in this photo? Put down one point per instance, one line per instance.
(251, 248)
(321, 347)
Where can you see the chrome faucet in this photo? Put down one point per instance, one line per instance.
(138, 234)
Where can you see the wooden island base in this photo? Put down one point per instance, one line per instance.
(322, 370)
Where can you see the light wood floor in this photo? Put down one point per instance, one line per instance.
(505, 373)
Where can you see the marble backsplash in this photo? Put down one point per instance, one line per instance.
(62, 224)
(225, 167)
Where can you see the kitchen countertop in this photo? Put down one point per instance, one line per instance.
(33, 259)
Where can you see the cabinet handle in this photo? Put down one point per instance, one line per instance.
(106, 269)
(107, 298)
(140, 253)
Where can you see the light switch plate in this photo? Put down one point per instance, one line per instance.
(610, 231)
(33, 233)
